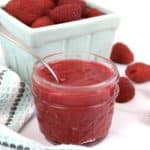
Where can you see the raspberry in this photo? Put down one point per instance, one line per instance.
(127, 90)
(42, 21)
(12, 7)
(65, 13)
(92, 12)
(47, 4)
(80, 2)
(84, 12)
(47, 12)
(28, 10)
(121, 54)
(138, 72)
(55, 1)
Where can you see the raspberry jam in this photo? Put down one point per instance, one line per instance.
(79, 109)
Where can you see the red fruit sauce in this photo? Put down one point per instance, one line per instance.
(79, 109)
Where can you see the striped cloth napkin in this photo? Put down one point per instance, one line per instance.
(16, 104)
(16, 108)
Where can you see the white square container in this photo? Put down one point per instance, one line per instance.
(88, 35)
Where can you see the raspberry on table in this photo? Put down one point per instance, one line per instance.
(121, 54)
(127, 90)
(138, 72)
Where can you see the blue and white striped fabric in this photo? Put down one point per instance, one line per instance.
(16, 104)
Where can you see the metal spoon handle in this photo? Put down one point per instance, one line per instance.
(28, 49)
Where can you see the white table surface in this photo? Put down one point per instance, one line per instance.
(130, 128)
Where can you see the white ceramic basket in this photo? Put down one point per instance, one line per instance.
(88, 35)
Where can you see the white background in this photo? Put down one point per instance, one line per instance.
(130, 129)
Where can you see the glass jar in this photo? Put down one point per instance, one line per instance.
(74, 114)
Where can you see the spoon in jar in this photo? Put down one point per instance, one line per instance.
(29, 50)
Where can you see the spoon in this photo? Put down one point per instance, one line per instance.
(29, 50)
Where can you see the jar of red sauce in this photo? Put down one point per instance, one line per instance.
(79, 109)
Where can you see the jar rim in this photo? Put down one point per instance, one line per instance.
(112, 79)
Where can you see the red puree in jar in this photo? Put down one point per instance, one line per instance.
(79, 109)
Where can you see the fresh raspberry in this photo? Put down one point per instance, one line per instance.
(84, 12)
(138, 72)
(42, 21)
(12, 7)
(47, 12)
(121, 54)
(65, 13)
(92, 12)
(127, 90)
(55, 1)
(47, 4)
(28, 10)
(80, 2)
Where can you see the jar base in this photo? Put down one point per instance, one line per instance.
(88, 143)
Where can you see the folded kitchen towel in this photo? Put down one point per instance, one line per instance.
(13, 141)
(16, 104)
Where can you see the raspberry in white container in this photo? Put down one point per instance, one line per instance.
(94, 35)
